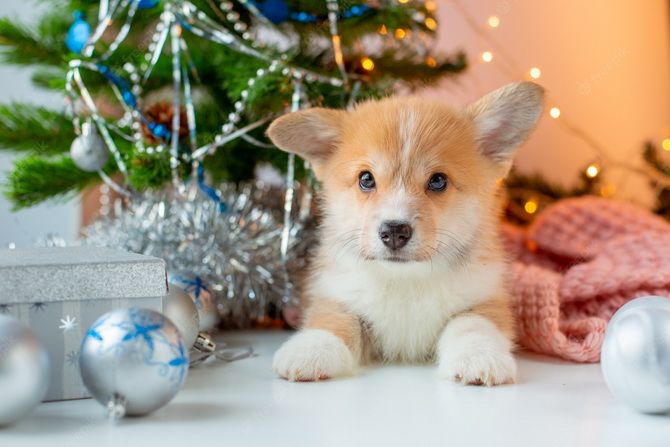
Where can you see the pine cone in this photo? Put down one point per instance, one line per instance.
(161, 113)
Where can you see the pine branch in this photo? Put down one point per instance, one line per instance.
(50, 78)
(651, 157)
(22, 46)
(538, 183)
(400, 65)
(35, 129)
(150, 170)
(36, 179)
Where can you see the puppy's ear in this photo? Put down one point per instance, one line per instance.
(312, 133)
(504, 118)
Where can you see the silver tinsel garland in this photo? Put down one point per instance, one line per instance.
(236, 252)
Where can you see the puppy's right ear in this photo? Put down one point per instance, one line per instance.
(311, 133)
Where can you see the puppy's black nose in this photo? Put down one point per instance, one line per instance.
(395, 234)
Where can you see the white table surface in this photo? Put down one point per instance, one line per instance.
(242, 403)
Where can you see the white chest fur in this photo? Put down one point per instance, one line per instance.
(406, 306)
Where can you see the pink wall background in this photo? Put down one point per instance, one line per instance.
(605, 63)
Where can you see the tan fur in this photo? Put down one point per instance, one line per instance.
(450, 273)
(334, 317)
(499, 312)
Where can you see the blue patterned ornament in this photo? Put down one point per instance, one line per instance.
(635, 357)
(78, 34)
(202, 296)
(180, 309)
(133, 361)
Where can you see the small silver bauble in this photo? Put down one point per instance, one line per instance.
(88, 150)
(133, 361)
(181, 310)
(203, 298)
(24, 371)
(635, 357)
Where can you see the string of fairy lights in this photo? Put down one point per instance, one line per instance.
(498, 56)
(509, 66)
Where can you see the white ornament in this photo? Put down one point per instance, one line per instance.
(88, 151)
(24, 371)
(180, 309)
(202, 296)
(635, 357)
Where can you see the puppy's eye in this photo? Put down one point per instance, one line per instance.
(437, 182)
(366, 181)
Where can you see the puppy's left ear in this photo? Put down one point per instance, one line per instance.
(504, 118)
(314, 133)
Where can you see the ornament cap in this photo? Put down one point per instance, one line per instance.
(204, 343)
(116, 407)
(87, 128)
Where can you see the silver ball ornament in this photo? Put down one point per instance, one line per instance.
(181, 310)
(88, 150)
(202, 296)
(24, 371)
(635, 357)
(133, 361)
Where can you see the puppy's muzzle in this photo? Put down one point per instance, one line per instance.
(395, 234)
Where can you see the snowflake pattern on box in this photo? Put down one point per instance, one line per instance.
(68, 323)
(72, 358)
(38, 307)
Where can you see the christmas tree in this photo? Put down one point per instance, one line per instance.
(173, 89)
(167, 104)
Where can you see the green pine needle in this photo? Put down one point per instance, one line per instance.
(35, 129)
(21, 45)
(36, 179)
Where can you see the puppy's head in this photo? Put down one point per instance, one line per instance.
(410, 180)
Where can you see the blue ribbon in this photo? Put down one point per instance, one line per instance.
(210, 192)
(158, 130)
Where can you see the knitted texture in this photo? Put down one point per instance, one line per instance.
(576, 265)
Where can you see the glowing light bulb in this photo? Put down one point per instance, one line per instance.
(487, 56)
(592, 170)
(494, 21)
(530, 206)
(382, 30)
(607, 190)
(535, 73)
(400, 33)
(431, 62)
(554, 112)
(367, 64)
(403, 1)
(430, 5)
(431, 24)
(665, 144)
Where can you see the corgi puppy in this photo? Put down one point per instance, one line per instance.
(409, 266)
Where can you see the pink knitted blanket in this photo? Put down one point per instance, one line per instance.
(576, 265)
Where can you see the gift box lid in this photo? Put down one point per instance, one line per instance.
(75, 273)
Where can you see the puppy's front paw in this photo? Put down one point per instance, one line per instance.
(478, 360)
(482, 367)
(313, 354)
